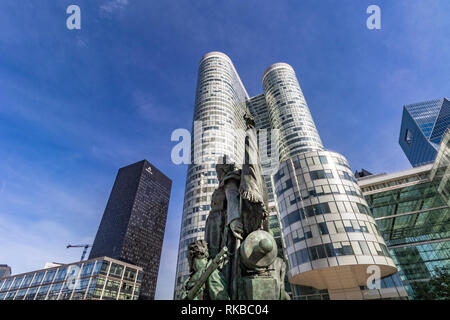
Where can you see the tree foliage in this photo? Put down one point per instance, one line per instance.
(436, 288)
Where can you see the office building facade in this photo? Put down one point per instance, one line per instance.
(440, 173)
(133, 224)
(95, 279)
(423, 126)
(330, 238)
(411, 209)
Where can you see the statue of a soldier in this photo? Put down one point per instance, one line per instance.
(205, 281)
(238, 205)
(239, 215)
(224, 212)
(223, 225)
(253, 189)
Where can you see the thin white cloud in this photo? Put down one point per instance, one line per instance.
(113, 6)
(27, 246)
(37, 185)
(40, 236)
(81, 42)
(152, 111)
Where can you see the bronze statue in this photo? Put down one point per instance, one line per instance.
(253, 188)
(224, 226)
(205, 282)
(239, 214)
(215, 222)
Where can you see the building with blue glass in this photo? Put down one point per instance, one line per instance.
(101, 278)
(411, 209)
(423, 125)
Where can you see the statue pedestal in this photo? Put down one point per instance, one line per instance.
(259, 288)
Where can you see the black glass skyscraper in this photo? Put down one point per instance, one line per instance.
(133, 224)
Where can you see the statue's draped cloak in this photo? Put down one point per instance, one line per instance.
(253, 188)
(215, 222)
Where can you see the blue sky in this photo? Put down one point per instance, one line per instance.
(75, 105)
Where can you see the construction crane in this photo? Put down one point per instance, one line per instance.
(85, 246)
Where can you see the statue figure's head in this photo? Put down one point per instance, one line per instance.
(222, 168)
(249, 120)
(197, 255)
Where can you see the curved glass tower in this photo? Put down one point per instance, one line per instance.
(288, 112)
(220, 104)
(330, 237)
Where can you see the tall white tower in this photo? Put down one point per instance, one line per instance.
(220, 104)
(330, 237)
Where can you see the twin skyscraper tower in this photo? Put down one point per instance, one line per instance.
(330, 239)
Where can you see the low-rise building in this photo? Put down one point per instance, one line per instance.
(411, 209)
(101, 278)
